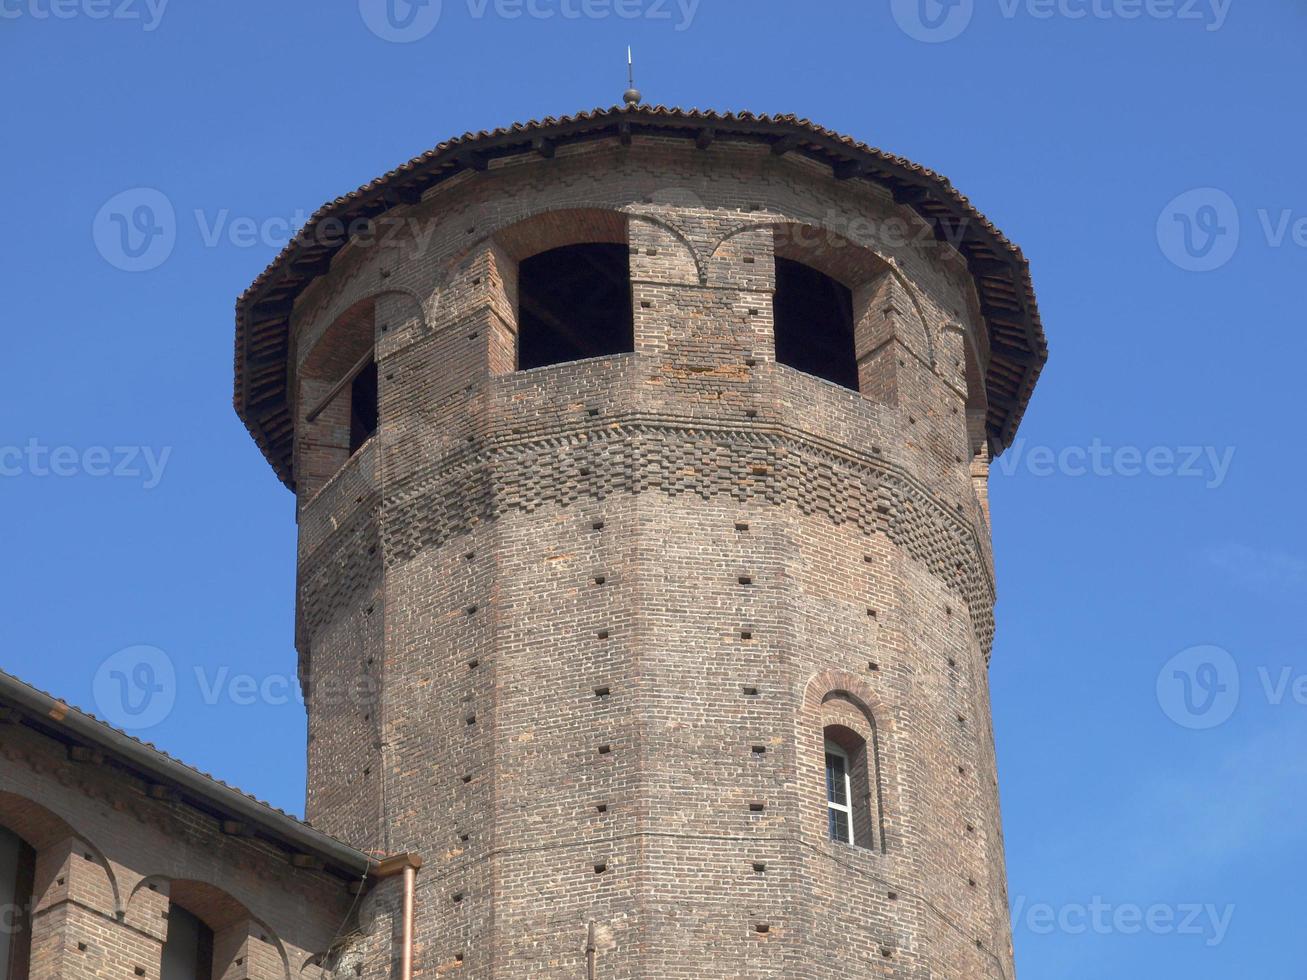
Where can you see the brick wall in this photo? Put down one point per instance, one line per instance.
(111, 860)
(588, 592)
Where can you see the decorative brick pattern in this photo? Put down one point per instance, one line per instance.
(608, 606)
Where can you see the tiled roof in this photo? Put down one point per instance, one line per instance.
(47, 713)
(1018, 348)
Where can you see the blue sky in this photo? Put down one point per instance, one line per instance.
(1151, 506)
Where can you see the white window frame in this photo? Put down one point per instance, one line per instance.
(833, 748)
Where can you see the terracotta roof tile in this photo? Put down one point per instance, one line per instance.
(134, 750)
(1019, 354)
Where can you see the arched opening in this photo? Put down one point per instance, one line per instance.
(841, 753)
(814, 323)
(338, 397)
(17, 882)
(574, 302)
(363, 413)
(850, 787)
(188, 950)
(27, 829)
(208, 932)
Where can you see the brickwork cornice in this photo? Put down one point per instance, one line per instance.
(772, 462)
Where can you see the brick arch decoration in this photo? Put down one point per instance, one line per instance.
(44, 830)
(852, 263)
(483, 275)
(347, 338)
(228, 917)
(322, 445)
(504, 245)
(837, 697)
(350, 335)
(552, 227)
(699, 260)
(343, 324)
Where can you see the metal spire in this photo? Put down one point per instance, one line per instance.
(632, 94)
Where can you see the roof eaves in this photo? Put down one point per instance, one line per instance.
(268, 419)
(55, 716)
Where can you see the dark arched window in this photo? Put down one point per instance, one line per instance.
(17, 879)
(363, 407)
(574, 302)
(188, 950)
(338, 396)
(814, 323)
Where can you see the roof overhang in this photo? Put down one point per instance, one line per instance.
(167, 779)
(1017, 345)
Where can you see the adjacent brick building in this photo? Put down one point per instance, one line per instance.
(645, 588)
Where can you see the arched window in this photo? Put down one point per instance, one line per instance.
(188, 950)
(852, 805)
(574, 302)
(839, 794)
(17, 879)
(814, 323)
(338, 402)
(363, 407)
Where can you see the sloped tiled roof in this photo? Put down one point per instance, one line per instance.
(56, 718)
(1018, 348)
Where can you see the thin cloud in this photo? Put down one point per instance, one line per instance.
(1260, 570)
(1181, 822)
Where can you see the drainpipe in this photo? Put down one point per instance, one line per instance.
(406, 951)
(406, 865)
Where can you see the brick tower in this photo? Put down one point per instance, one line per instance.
(645, 585)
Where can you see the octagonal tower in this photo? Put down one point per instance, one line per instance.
(645, 584)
